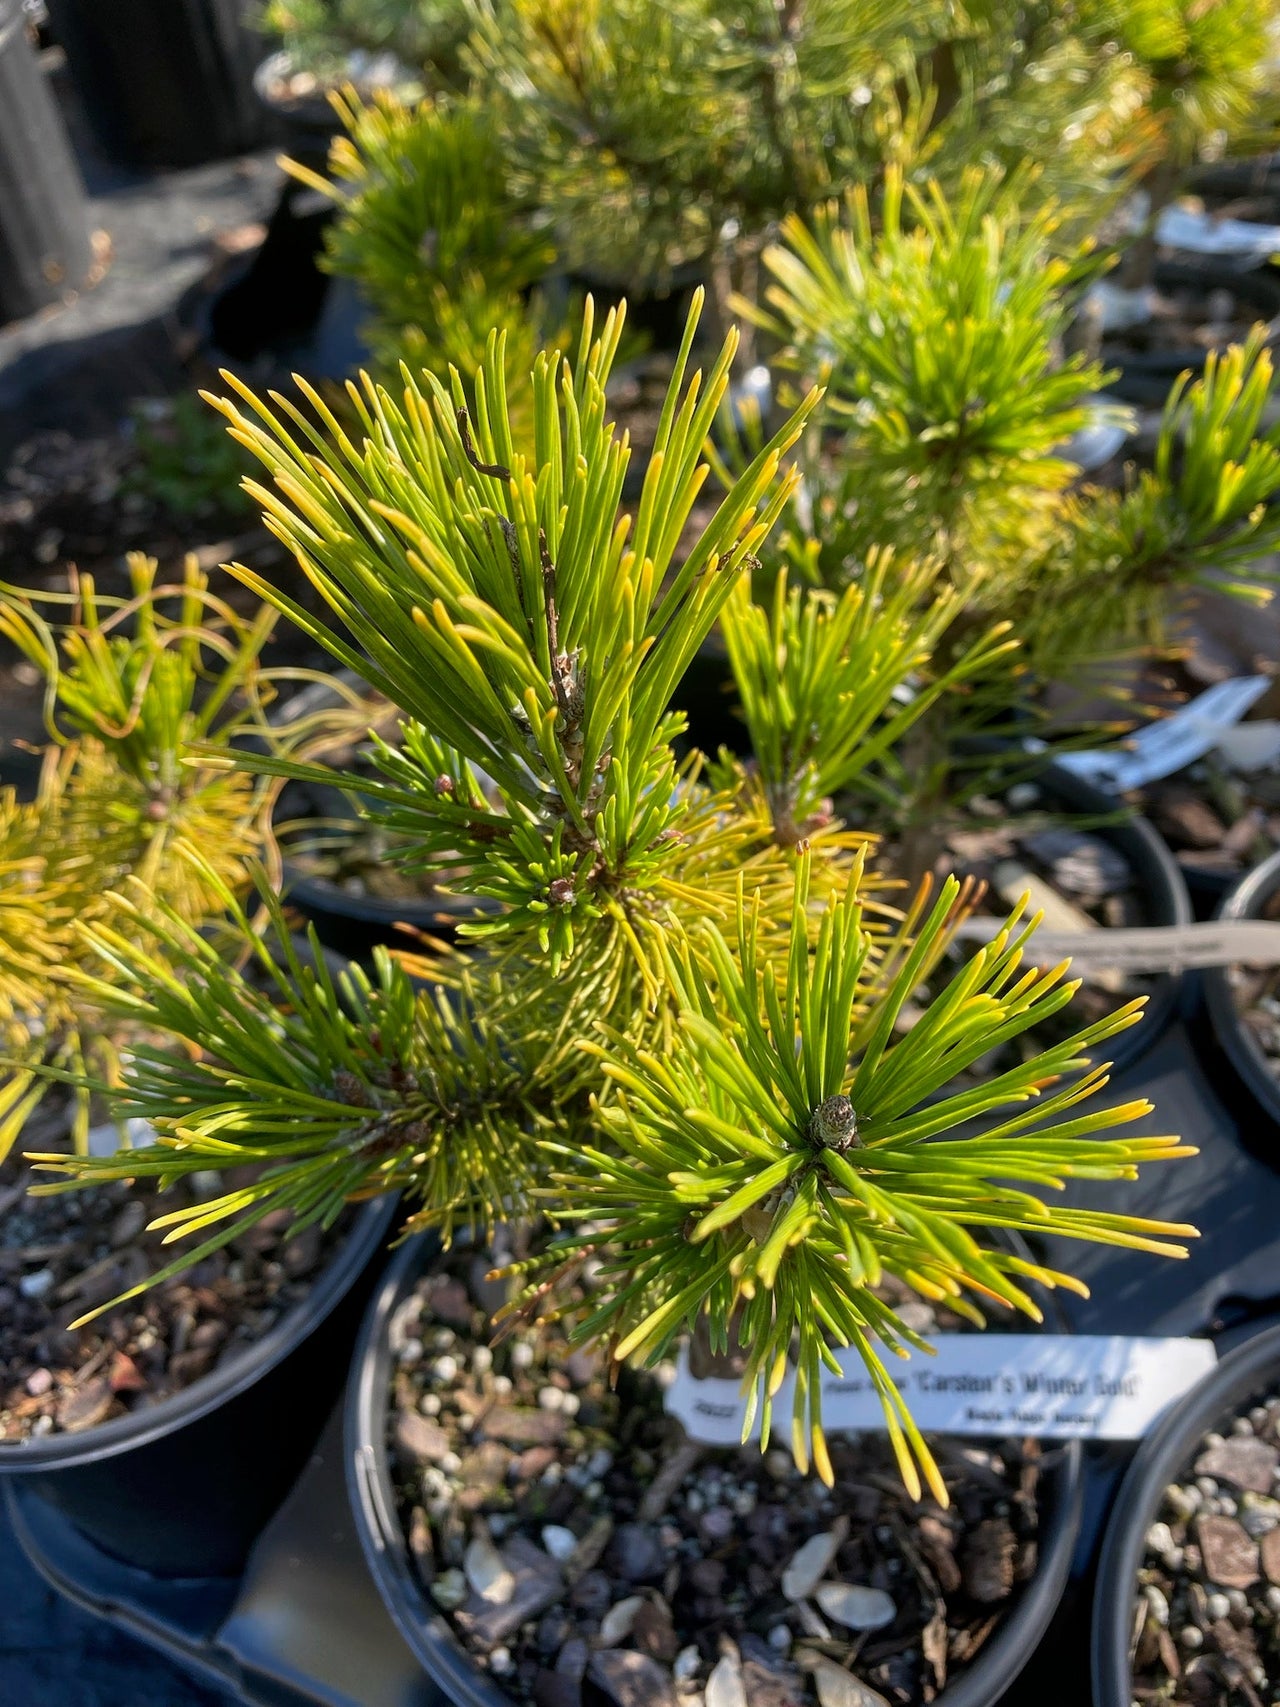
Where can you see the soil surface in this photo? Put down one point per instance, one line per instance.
(1206, 1622)
(62, 1256)
(587, 1552)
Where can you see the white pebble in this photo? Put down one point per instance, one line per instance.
(809, 1564)
(487, 1571)
(664, 1375)
(410, 1353)
(1191, 1637)
(569, 1403)
(685, 1666)
(451, 1463)
(500, 1662)
(1160, 1540)
(600, 1462)
(1217, 1606)
(521, 1355)
(855, 1606)
(1207, 1486)
(619, 1620)
(780, 1639)
(725, 1687)
(36, 1285)
(744, 1502)
(445, 1369)
(482, 1360)
(560, 1542)
(1241, 1425)
(430, 1406)
(502, 1385)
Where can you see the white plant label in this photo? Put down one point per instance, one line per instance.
(1145, 948)
(1056, 1386)
(1172, 743)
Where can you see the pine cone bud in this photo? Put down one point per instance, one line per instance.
(443, 784)
(560, 892)
(834, 1125)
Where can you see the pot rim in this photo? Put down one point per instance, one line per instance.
(1159, 1457)
(442, 1656)
(1244, 901)
(226, 1381)
(1162, 884)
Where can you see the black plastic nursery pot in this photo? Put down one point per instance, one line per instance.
(442, 1657)
(164, 82)
(1163, 1455)
(182, 1488)
(45, 248)
(1250, 1085)
(1145, 376)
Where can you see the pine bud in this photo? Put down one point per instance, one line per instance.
(560, 892)
(443, 784)
(834, 1125)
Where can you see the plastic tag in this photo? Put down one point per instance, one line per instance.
(1057, 1386)
(1145, 948)
(1160, 749)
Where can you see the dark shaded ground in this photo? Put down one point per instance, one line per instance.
(54, 1655)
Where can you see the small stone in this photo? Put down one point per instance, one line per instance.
(592, 1594)
(1259, 1514)
(85, 1406)
(570, 1404)
(837, 1687)
(560, 1542)
(780, 1639)
(1217, 1606)
(716, 1527)
(500, 1662)
(685, 1666)
(523, 1426)
(1191, 1637)
(444, 1370)
(419, 1438)
(1160, 1540)
(810, 1563)
(725, 1686)
(779, 1465)
(1269, 1555)
(487, 1571)
(35, 1286)
(636, 1553)
(551, 1398)
(522, 1355)
(538, 1585)
(619, 1620)
(1243, 1460)
(410, 1354)
(572, 1659)
(654, 1632)
(855, 1607)
(1157, 1605)
(1230, 1556)
(630, 1679)
(124, 1376)
(481, 1360)
(449, 1590)
(39, 1382)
